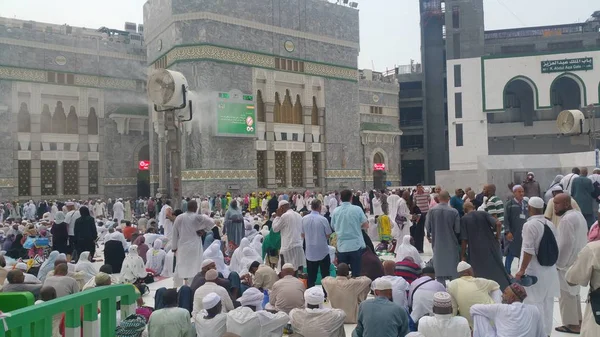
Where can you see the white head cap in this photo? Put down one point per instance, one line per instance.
(287, 266)
(252, 296)
(462, 266)
(206, 262)
(536, 202)
(381, 284)
(282, 203)
(314, 296)
(210, 301)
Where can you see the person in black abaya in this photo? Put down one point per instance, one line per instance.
(85, 232)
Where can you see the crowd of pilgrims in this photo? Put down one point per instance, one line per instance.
(265, 264)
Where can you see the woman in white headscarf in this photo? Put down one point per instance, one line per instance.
(236, 258)
(249, 257)
(406, 249)
(133, 266)
(214, 253)
(555, 182)
(86, 267)
(155, 258)
(48, 265)
(257, 244)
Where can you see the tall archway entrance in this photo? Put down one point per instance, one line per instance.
(379, 171)
(143, 176)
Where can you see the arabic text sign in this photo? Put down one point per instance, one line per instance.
(144, 165)
(578, 64)
(378, 167)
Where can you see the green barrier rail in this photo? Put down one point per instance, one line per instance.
(36, 321)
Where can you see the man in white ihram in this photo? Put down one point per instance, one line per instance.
(187, 241)
(118, 212)
(542, 293)
(166, 218)
(289, 223)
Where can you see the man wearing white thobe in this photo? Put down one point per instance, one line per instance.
(187, 241)
(542, 293)
(567, 181)
(572, 237)
(510, 319)
(165, 219)
(289, 224)
(393, 202)
(251, 320)
(118, 212)
(30, 210)
(443, 323)
(332, 203)
(99, 208)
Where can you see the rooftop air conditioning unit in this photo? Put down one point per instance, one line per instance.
(130, 27)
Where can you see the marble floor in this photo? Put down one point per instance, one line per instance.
(149, 298)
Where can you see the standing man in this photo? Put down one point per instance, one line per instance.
(567, 181)
(483, 246)
(572, 237)
(494, 205)
(166, 218)
(70, 218)
(531, 187)
(443, 224)
(582, 190)
(515, 216)
(316, 232)
(289, 224)
(348, 222)
(99, 208)
(119, 211)
(547, 287)
(188, 230)
(422, 201)
(332, 202)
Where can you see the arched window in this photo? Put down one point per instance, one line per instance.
(24, 119)
(260, 108)
(287, 109)
(378, 158)
(518, 103)
(46, 120)
(72, 122)
(315, 112)
(59, 120)
(277, 109)
(297, 113)
(92, 122)
(566, 93)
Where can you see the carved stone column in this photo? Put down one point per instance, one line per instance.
(309, 181)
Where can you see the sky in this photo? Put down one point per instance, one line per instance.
(389, 29)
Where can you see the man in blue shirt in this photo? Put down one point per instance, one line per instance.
(348, 221)
(380, 317)
(316, 231)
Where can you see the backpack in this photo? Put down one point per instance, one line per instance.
(547, 254)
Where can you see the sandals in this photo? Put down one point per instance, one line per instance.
(566, 329)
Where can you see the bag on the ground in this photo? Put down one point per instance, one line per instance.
(547, 254)
(594, 299)
(132, 326)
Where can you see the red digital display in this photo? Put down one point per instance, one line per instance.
(379, 167)
(144, 165)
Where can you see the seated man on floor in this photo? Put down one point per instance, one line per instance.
(210, 286)
(170, 321)
(346, 293)
(232, 283)
(264, 276)
(288, 292)
(250, 320)
(16, 283)
(316, 320)
(63, 284)
(211, 321)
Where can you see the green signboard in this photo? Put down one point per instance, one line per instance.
(236, 115)
(559, 66)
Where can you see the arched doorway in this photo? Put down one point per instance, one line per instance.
(566, 93)
(143, 176)
(519, 103)
(379, 171)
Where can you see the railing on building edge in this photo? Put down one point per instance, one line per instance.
(36, 321)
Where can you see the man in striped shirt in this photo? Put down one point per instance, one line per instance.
(494, 205)
(422, 200)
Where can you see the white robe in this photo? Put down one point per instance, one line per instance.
(99, 208)
(257, 244)
(188, 243)
(290, 226)
(245, 322)
(166, 223)
(133, 266)
(510, 320)
(393, 204)
(214, 327)
(118, 212)
(86, 267)
(214, 253)
(444, 326)
(235, 263)
(372, 231)
(571, 238)
(377, 210)
(155, 257)
(406, 249)
(399, 289)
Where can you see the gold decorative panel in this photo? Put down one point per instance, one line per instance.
(343, 174)
(71, 177)
(280, 169)
(127, 181)
(297, 169)
(93, 177)
(261, 160)
(24, 177)
(191, 175)
(49, 177)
